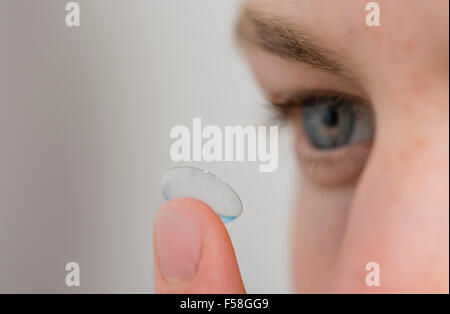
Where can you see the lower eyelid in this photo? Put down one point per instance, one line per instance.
(335, 167)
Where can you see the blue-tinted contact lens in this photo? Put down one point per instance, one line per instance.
(180, 182)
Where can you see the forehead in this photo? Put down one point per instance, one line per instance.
(346, 19)
(411, 41)
(310, 12)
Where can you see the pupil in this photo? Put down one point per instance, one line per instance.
(330, 117)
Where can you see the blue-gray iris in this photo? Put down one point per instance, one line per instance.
(328, 124)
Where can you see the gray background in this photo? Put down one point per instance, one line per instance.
(85, 116)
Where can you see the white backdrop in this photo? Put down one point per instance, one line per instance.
(85, 116)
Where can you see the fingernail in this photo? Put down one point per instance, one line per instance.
(178, 241)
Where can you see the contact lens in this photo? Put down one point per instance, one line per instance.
(197, 183)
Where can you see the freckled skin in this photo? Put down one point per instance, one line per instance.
(397, 212)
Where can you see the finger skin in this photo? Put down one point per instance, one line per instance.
(217, 270)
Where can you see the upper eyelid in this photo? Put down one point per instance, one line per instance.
(296, 99)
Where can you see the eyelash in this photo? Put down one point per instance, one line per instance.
(281, 110)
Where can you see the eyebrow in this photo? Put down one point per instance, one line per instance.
(287, 40)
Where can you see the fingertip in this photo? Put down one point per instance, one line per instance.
(193, 252)
(196, 210)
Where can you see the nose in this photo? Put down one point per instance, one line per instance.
(399, 216)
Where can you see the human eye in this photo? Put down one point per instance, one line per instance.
(333, 122)
(334, 131)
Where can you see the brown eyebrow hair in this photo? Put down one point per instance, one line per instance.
(285, 39)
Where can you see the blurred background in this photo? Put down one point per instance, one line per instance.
(85, 115)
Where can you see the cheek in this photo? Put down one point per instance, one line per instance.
(318, 228)
(399, 215)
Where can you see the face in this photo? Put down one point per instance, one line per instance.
(369, 107)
